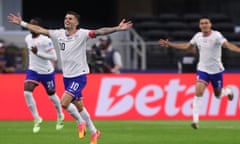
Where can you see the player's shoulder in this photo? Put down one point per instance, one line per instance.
(82, 30)
(217, 33)
(59, 31)
(28, 37)
(198, 34)
(44, 38)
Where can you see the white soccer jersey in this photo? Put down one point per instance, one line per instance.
(42, 62)
(72, 51)
(210, 51)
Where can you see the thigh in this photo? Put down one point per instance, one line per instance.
(202, 82)
(217, 83)
(31, 80)
(48, 81)
(66, 99)
(217, 80)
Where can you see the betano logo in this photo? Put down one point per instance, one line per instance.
(120, 95)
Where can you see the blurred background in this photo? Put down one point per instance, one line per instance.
(176, 20)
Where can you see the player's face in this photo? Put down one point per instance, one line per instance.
(32, 21)
(70, 21)
(205, 25)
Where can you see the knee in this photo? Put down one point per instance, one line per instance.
(217, 93)
(199, 93)
(51, 92)
(80, 109)
(63, 104)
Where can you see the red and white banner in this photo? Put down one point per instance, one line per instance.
(125, 97)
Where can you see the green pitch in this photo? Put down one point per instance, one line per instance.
(124, 132)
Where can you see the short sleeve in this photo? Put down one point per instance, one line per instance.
(54, 34)
(220, 38)
(193, 40)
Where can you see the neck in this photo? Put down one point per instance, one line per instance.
(207, 33)
(71, 31)
(34, 35)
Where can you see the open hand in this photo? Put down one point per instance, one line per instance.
(34, 49)
(164, 43)
(123, 25)
(16, 19)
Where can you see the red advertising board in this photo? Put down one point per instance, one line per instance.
(125, 96)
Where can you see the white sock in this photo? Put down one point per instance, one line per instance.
(196, 108)
(225, 92)
(74, 113)
(55, 99)
(31, 104)
(85, 115)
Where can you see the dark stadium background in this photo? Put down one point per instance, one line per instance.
(99, 12)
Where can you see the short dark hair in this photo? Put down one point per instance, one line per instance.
(205, 17)
(75, 14)
(38, 21)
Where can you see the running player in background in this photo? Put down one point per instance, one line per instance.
(40, 69)
(72, 43)
(210, 67)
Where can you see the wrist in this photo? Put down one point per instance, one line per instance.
(116, 29)
(23, 24)
(168, 44)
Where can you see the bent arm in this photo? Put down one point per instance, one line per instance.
(50, 55)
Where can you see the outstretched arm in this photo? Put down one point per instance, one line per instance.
(231, 46)
(123, 25)
(183, 46)
(17, 19)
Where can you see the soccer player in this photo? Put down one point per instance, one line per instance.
(72, 43)
(210, 67)
(41, 70)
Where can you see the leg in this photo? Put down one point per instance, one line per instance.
(95, 134)
(28, 90)
(226, 91)
(73, 110)
(200, 87)
(85, 115)
(219, 91)
(201, 84)
(55, 100)
(48, 82)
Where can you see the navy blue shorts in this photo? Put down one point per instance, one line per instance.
(47, 80)
(75, 85)
(215, 79)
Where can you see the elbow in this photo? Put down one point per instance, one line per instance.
(53, 58)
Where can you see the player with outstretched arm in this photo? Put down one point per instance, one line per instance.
(72, 43)
(41, 54)
(210, 67)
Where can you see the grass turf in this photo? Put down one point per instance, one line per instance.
(124, 132)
